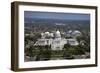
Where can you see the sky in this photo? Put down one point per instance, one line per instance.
(56, 15)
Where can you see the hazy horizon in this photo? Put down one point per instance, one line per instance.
(56, 15)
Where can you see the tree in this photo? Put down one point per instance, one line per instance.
(70, 51)
(67, 53)
(46, 52)
(66, 46)
(42, 52)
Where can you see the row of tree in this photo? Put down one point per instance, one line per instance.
(45, 52)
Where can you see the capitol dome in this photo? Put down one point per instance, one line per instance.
(57, 34)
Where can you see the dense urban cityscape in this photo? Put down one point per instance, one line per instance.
(56, 39)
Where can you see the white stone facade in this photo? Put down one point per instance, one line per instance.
(57, 43)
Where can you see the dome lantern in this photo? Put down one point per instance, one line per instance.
(57, 34)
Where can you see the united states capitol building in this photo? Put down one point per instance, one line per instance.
(56, 41)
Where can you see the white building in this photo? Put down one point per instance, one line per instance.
(44, 42)
(73, 34)
(72, 42)
(76, 33)
(57, 43)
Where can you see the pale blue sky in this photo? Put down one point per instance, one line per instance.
(56, 15)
